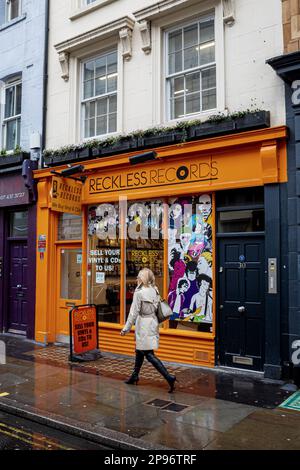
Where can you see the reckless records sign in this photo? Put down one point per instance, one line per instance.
(66, 195)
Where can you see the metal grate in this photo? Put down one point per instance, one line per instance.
(165, 405)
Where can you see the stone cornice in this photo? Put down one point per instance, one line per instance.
(100, 33)
(286, 66)
(161, 7)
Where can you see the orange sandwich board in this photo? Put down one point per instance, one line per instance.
(84, 334)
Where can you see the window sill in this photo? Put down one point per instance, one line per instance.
(89, 8)
(12, 22)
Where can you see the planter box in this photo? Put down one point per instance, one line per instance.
(209, 129)
(259, 120)
(157, 140)
(250, 121)
(122, 146)
(13, 160)
(69, 157)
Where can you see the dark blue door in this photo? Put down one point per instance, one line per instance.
(18, 288)
(241, 302)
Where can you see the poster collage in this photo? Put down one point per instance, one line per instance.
(190, 249)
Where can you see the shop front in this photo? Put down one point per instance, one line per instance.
(17, 256)
(203, 217)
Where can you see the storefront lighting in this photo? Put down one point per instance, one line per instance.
(142, 158)
(70, 171)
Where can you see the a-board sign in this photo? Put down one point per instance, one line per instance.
(83, 330)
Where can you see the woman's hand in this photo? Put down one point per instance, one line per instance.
(122, 333)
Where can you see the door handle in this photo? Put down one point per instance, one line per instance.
(242, 309)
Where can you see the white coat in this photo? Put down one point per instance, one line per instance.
(143, 315)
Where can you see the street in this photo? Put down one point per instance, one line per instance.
(20, 434)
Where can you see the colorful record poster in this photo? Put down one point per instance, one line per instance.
(190, 258)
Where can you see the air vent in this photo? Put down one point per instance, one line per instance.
(201, 356)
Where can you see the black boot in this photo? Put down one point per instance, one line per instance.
(139, 359)
(156, 362)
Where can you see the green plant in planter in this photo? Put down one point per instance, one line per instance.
(3, 152)
(17, 150)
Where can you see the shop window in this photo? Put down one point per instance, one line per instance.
(241, 221)
(18, 224)
(12, 115)
(191, 68)
(71, 274)
(69, 227)
(240, 197)
(104, 261)
(99, 95)
(144, 245)
(190, 261)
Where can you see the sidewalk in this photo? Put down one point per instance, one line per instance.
(211, 409)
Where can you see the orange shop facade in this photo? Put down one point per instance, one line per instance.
(205, 217)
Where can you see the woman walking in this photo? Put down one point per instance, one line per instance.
(143, 315)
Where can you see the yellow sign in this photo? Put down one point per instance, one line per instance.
(66, 195)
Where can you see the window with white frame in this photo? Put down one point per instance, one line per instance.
(13, 9)
(11, 126)
(191, 68)
(99, 95)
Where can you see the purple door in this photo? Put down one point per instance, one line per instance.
(18, 288)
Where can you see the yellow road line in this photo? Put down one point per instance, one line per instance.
(19, 438)
(36, 438)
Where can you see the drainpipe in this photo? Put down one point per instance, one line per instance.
(45, 80)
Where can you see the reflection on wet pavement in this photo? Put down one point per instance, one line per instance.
(217, 402)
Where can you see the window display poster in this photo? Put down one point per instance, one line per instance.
(190, 259)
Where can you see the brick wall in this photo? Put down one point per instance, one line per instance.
(291, 25)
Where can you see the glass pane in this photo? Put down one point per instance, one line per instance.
(18, 224)
(112, 63)
(191, 58)
(193, 82)
(175, 41)
(18, 99)
(175, 62)
(100, 65)
(112, 82)
(112, 122)
(190, 255)
(89, 128)
(209, 100)
(207, 53)
(177, 108)
(104, 261)
(209, 78)
(193, 103)
(241, 221)
(89, 70)
(88, 89)
(191, 36)
(207, 31)
(244, 197)
(69, 227)
(100, 86)
(14, 9)
(11, 135)
(10, 102)
(145, 246)
(113, 104)
(177, 87)
(101, 125)
(90, 110)
(102, 107)
(71, 274)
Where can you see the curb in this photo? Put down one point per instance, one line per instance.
(114, 440)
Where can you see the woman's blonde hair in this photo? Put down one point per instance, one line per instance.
(146, 277)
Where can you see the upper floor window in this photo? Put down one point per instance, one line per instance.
(99, 95)
(12, 115)
(13, 9)
(191, 68)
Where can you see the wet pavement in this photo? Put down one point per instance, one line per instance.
(19, 434)
(210, 409)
